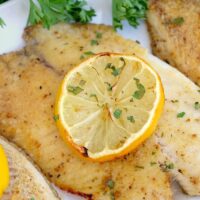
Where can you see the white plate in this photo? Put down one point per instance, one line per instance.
(15, 13)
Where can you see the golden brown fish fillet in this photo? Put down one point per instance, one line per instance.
(62, 48)
(175, 32)
(26, 181)
(28, 86)
(180, 137)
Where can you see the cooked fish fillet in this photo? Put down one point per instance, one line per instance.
(28, 86)
(180, 137)
(175, 33)
(26, 181)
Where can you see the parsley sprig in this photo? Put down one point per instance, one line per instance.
(2, 23)
(50, 12)
(2, 1)
(130, 10)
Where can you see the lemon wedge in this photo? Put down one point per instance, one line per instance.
(4, 171)
(108, 105)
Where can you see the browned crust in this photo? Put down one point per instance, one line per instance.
(20, 150)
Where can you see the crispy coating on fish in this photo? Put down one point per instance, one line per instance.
(172, 133)
(175, 33)
(26, 181)
(29, 80)
(178, 131)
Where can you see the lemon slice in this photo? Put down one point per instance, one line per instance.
(4, 171)
(108, 105)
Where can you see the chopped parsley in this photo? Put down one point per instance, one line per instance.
(32, 198)
(138, 94)
(95, 96)
(131, 119)
(139, 167)
(197, 105)
(110, 183)
(181, 115)
(87, 53)
(168, 166)
(94, 42)
(177, 21)
(108, 66)
(124, 62)
(74, 90)
(82, 82)
(152, 163)
(117, 113)
(2, 23)
(115, 71)
(198, 91)
(56, 118)
(109, 86)
(174, 101)
(98, 35)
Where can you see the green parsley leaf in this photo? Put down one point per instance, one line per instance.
(98, 35)
(50, 12)
(197, 105)
(108, 66)
(131, 119)
(139, 167)
(167, 166)
(35, 14)
(109, 86)
(198, 91)
(86, 54)
(32, 198)
(174, 101)
(56, 118)
(2, 23)
(74, 90)
(153, 163)
(117, 113)
(95, 96)
(2, 1)
(124, 62)
(130, 10)
(177, 21)
(181, 115)
(115, 71)
(138, 94)
(170, 166)
(110, 183)
(94, 42)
